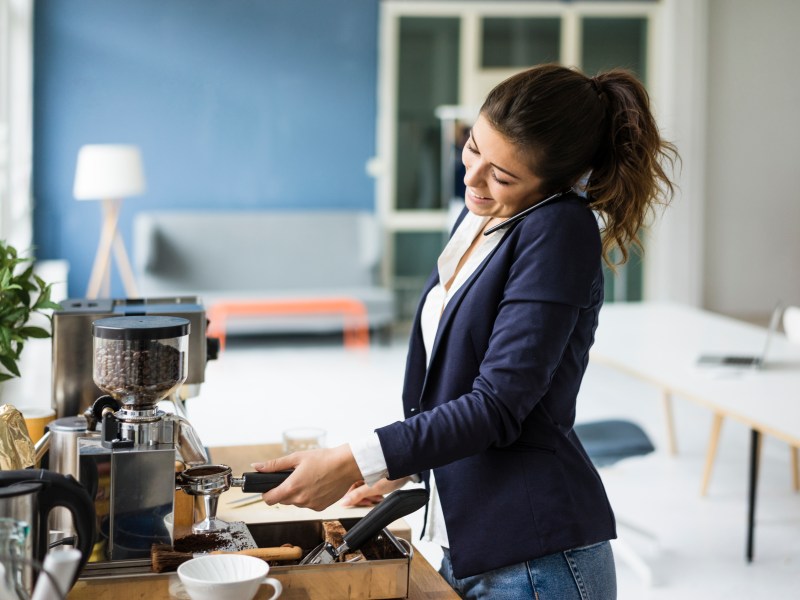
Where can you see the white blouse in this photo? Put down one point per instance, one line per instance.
(367, 452)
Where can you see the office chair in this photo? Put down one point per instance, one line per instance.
(607, 442)
(791, 327)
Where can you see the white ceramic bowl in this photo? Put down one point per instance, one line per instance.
(226, 577)
(169, 524)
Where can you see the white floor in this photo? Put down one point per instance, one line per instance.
(258, 388)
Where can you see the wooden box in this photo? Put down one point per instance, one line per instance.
(384, 573)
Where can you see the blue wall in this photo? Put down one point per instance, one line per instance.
(236, 105)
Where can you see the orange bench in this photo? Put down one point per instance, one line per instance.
(356, 325)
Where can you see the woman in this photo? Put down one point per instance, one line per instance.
(501, 341)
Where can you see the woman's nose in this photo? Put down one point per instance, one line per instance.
(473, 173)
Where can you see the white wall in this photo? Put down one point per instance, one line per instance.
(752, 217)
(729, 96)
(674, 256)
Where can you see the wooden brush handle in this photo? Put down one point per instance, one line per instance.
(277, 553)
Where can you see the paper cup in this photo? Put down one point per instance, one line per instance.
(36, 419)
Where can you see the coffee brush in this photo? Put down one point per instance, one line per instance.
(165, 558)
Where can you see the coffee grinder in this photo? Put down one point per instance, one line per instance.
(129, 464)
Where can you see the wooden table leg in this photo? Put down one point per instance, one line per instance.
(711, 453)
(666, 401)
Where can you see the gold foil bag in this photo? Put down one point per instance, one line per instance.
(16, 447)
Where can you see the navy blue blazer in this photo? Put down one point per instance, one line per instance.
(493, 412)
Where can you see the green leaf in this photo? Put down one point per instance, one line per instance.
(50, 304)
(43, 297)
(18, 314)
(26, 276)
(34, 332)
(10, 364)
(20, 295)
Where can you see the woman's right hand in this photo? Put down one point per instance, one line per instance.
(361, 494)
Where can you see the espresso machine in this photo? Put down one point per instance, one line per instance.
(74, 390)
(127, 457)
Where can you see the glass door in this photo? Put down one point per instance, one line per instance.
(427, 77)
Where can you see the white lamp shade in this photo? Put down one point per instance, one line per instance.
(108, 171)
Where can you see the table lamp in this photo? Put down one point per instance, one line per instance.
(109, 172)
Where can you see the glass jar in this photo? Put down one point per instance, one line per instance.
(140, 360)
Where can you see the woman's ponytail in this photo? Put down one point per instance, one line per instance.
(628, 175)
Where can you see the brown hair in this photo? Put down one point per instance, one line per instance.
(570, 125)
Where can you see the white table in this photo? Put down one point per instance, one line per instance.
(660, 343)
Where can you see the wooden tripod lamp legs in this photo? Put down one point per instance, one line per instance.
(110, 238)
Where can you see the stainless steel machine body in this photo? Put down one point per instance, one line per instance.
(134, 491)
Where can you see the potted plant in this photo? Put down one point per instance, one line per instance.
(22, 295)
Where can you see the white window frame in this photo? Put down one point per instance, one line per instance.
(16, 122)
(471, 14)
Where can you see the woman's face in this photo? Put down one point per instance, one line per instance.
(499, 182)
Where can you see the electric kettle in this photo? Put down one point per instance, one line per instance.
(29, 495)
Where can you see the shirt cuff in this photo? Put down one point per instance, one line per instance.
(369, 458)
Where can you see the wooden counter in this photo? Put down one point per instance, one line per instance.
(424, 582)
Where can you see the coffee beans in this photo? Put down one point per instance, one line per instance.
(138, 371)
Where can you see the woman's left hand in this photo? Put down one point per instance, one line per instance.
(361, 494)
(320, 478)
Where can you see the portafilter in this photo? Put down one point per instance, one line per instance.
(209, 481)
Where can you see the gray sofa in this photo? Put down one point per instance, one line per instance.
(224, 256)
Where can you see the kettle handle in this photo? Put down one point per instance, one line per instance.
(65, 491)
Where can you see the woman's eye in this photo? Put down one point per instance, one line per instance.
(500, 181)
(471, 148)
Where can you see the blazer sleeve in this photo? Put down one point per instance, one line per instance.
(555, 266)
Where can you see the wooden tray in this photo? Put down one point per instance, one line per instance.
(384, 573)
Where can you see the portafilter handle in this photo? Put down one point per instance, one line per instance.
(214, 479)
(258, 483)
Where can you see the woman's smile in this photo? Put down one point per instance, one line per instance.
(478, 198)
(499, 182)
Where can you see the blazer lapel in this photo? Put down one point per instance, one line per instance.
(452, 306)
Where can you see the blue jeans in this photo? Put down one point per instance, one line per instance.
(581, 574)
